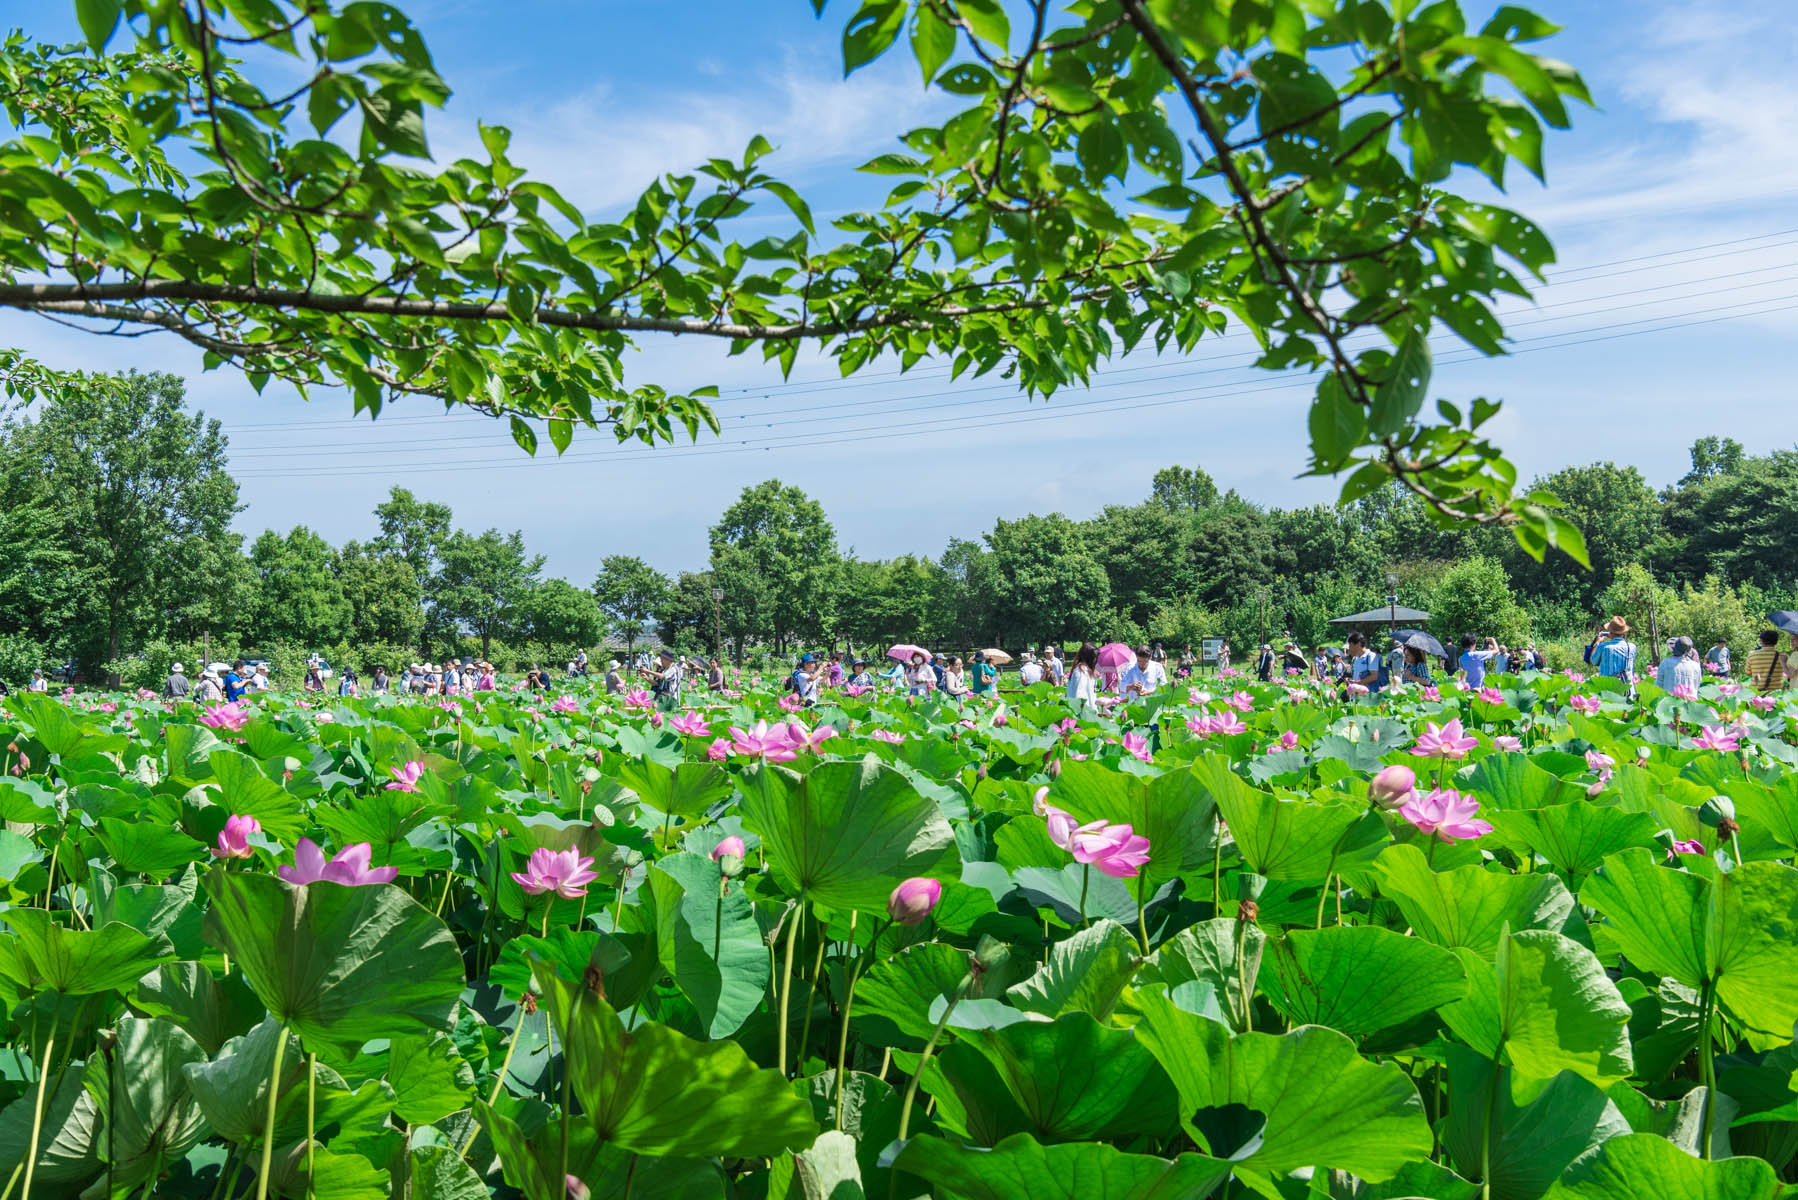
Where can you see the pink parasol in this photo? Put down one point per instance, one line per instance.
(904, 651)
(1113, 655)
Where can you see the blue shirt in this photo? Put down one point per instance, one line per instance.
(234, 688)
(1474, 663)
(1365, 663)
(1614, 657)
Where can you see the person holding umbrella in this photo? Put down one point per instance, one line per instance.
(919, 678)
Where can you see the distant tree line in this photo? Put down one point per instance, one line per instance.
(116, 503)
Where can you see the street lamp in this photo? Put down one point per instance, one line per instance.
(1391, 602)
(718, 621)
(1261, 604)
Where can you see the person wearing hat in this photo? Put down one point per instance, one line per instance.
(1680, 668)
(209, 690)
(1264, 663)
(176, 686)
(38, 682)
(378, 683)
(1029, 670)
(1293, 660)
(1610, 652)
(666, 678)
(796, 680)
(614, 677)
(861, 677)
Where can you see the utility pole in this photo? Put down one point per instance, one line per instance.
(718, 622)
(1261, 605)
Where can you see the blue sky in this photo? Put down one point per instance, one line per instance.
(1674, 208)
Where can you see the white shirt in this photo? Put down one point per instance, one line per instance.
(1030, 673)
(1151, 679)
(1082, 685)
(257, 682)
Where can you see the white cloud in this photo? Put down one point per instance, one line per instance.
(602, 146)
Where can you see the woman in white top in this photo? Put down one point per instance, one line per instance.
(919, 678)
(1083, 680)
(955, 684)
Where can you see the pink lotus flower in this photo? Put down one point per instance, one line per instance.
(145, 694)
(405, 779)
(1000, 719)
(1117, 850)
(1228, 672)
(564, 872)
(1575, 677)
(719, 750)
(1584, 703)
(1461, 685)
(229, 717)
(1443, 741)
(769, 742)
(1492, 695)
(1297, 695)
(1713, 668)
(1292, 670)
(1717, 737)
(855, 689)
(1679, 848)
(691, 724)
(655, 720)
(564, 704)
(1432, 693)
(1730, 688)
(1447, 814)
(730, 845)
(234, 837)
(791, 703)
(453, 707)
(638, 698)
(1288, 740)
(1393, 787)
(1241, 701)
(1040, 802)
(1137, 745)
(108, 707)
(888, 736)
(1684, 691)
(912, 900)
(1195, 696)
(1507, 743)
(1201, 726)
(1603, 764)
(1764, 703)
(1355, 689)
(1228, 723)
(801, 738)
(348, 866)
(1067, 726)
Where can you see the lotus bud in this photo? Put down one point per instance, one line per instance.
(1248, 891)
(1054, 768)
(1716, 810)
(1040, 803)
(980, 771)
(1595, 791)
(1393, 786)
(529, 1004)
(729, 855)
(575, 1188)
(912, 900)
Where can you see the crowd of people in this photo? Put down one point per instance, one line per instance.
(1085, 676)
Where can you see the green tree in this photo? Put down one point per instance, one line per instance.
(1475, 597)
(1140, 548)
(631, 592)
(1713, 456)
(483, 584)
(1621, 517)
(1046, 583)
(299, 597)
(136, 484)
(685, 618)
(1649, 605)
(1740, 524)
(967, 590)
(1290, 165)
(1232, 553)
(1713, 610)
(385, 596)
(413, 530)
(1183, 489)
(774, 553)
(560, 616)
(879, 603)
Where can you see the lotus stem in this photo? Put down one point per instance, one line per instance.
(548, 904)
(1142, 920)
(1086, 871)
(37, 1112)
(1217, 866)
(811, 993)
(1486, 1125)
(311, 1118)
(268, 1124)
(911, 1089)
(786, 987)
(1707, 1067)
(14, 1178)
(856, 970)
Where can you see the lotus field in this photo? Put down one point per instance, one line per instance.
(1261, 940)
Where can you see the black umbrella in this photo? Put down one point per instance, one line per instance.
(1417, 639)
(1784, 619)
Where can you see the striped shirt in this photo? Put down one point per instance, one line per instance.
(1766, 668)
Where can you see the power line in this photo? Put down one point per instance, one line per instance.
(957, 424)
(999, 392)
(872, 379)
